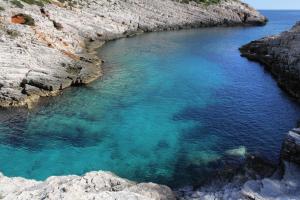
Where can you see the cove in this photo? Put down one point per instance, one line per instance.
(169, 106)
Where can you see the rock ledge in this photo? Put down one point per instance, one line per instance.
(44, 50)
(280, 54)
(92, 186)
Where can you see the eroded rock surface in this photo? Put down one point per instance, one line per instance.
(92, 186)
(275, 188)
(285, 182)
(43, 50)
(281, 55)
(258, 181)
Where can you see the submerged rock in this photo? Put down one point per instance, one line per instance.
(203, 157)
(94, 185)
(241, 151)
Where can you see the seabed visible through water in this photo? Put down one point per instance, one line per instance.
(169, 107)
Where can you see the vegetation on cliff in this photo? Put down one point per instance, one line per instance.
(20, 3)
(201, 1)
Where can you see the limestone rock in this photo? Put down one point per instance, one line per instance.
(285, 188)
(261, 181)
(53, 54)
(92, 186)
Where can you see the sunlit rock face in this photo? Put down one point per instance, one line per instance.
(43, 50)
(93, 185)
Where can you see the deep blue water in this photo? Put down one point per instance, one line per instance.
(169, 106)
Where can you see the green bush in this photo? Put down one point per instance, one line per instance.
(29, 20)
(25, 19)
(13, 33)
(17, 3)
(207, 2)
(36, 2)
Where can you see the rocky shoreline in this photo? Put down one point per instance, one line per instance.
(258, 180)
(44, 49)
(279, 54)
(93, 185)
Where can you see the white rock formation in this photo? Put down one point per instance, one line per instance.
(285, 188)
(92, 186)
(284, 184)
(42, 60)
(274, 188)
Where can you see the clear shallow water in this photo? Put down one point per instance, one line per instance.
(169, 106)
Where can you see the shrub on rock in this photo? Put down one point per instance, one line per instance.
(17, 3)
(36, 2)
(23, 19)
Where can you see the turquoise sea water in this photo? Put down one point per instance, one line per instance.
(169, 106)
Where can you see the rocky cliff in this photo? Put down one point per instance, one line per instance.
(43, 43)
(280, 54)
